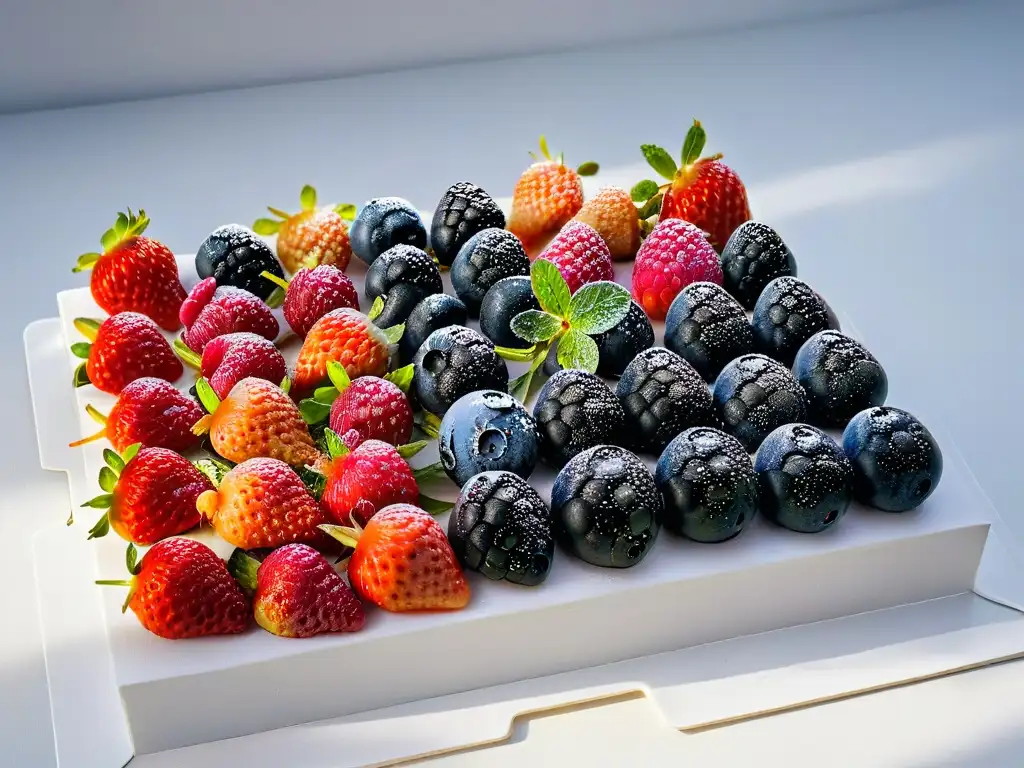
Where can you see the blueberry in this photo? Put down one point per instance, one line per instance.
(453, 362)
(840, 376)
(605, 507)
(464, 210)
(754, 256)
(487, 431)
(708, 484)
(501, 528)
(787, 314)
(662, 395)
(503, 301)
(896, 462)
(805, 480)
(708, 328)
(755, 394)
(575, 411)
(616, 347)
(236, 256)
(383, 223)
(487, 257)
(439, 310)
(403, 276)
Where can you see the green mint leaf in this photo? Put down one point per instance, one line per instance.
(643, 191)
(313, 412)
(112, 460)
(308, 198)
(598, 307)
(338, 375)
(266, 226)
(347, 211)
(434, 506)
(577, 350)
(589, 168)
(651, 208)
(535, 326)
(660, 160)
(81, 349)
(549, 287)
(107, 479)
(693, 145)
(402, 378)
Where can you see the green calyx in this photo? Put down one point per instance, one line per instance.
(665, 166)
(429, 424)
(376, 308)
(402, 377)
(314, 481)
(589, 168)
(90, 329)
(131, 558)
(307, 199)
(127, 227)
(213, 469)
(317, 408)
(207, 397)
(277, 296)
(114, 464)
(335, 448)
(188, 356)
(244, 569)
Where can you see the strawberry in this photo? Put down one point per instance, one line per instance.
(580, 255)
(312, 293)
(703, 191)
(363, 480)
(181, 589)
(547, 195)
(298, 593)
(135, 273)
(151, 412)
(262, 503)
(612, 213)
(149, 494)
(312, 236)
(350, 338)
(674, 255)
(123, 348)
(257, 418)
(232, 357)
(211, 311)
(403, 562)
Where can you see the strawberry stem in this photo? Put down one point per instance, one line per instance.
(91, 438)
(279, 213)
(280, 282)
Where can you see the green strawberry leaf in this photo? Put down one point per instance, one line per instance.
(108, 479)
(213, 469)
(286, 384)
(81, 377)
(121, 225)
(589, 168)
(598, 307)
(279, 213)
(314, 481)
(409, 450)
(549, 287)
(87, 327)
(101, 528)
(85, 261)
(515, 355)
(643, 191)
(429, 424)
(313, 412)
(266, 226)
(651, 208)
(276, 298)
(207, 396)
(326, 395)
(130, 452)
(338, 375)
(376, 308)
(693, 145)
(429, 473)
(402, 377)
(577, 350)
(243, 568)
(660, 160)
(103, 501)
(347, 211)
(535, 326)
(335, 448)
(308, 198)
(434, 506)
(112, 460)
(81, 349)
(188, 356)
(544, 148)
(109, 240)
(131, 559)
(394, 333)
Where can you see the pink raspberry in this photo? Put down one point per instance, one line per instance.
(374, 408)
(312, 293)
(232, 357)
(210, 311)
(581, 255)
(674, 255)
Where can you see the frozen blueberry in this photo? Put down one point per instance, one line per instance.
(755, 394)
(786, 315)
(707, 327)
(754, 256)
(616, 347)
(487, 257)
(463, 210)
(605, 507)
(575, 411)
(439, 310)
(383, 223)
(805, 480)
(453, 362)
(236, 256)
(503, 301)
(487, 431)
(840, 376)
(709, 485)
(897, 463)
(403, 276)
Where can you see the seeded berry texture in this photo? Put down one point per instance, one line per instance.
(841, 378)
(236, 256)
(453, 362)
(674, 255)
(487, 431)
(402, 276)
(897, 463)
(662, 395)
(575, 411)
(755, 394)
(707, 328)
(383, 223)
(605, 507)
(754, 256)
(581, 255)
(486, 258)
(786, 315)
(210, 311)
(805, 479)
(506, 299)
(439, 310)
(708, 485)
(501, 528)
(463, 210)
(615, 348)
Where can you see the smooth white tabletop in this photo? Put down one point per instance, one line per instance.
(887, 149)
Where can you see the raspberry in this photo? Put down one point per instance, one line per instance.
(674, 255)
(211, 311)
(232, 357)
(581, 255)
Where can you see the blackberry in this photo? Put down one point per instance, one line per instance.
(464, 210)
(236, 256)
(755, 394)
(897, 463)
(840, 376)
(439, 310)
(662, 395)
(805, 480)
(501, 528)
(383, 223)
(403, 276)
(575, 411)
(786, 315)
(707, 327)
(605, 507)
(708, 484)
(487, 257)
(616, 347)
(503, 301)
(453, 362)
(754, 256)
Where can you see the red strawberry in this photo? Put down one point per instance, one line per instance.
(361, 481)
(581, 255)
(211, 311)
(403, 562)
(181, 589)
(298, 593)
(149, 494)
(312, 293)
(612, 213)
(348, 337)
(547, 195)
(313, 235)
(674, 255)
(134, 273)
(151, 412)
(123, 348)
(232, 357)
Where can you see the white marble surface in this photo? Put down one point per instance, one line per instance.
(887, 150)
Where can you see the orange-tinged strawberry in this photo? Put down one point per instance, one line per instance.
(257, 418)
(312, 236)
(613, 214)
(348, 337)
(403, 562)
